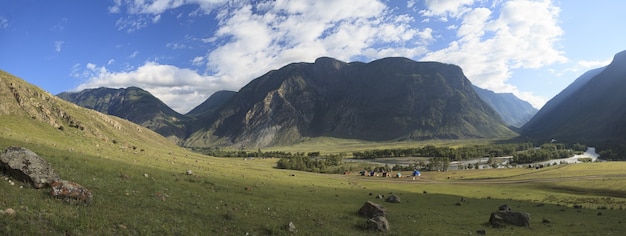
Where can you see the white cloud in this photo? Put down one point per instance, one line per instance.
(156, 18)
(444, 8)
(58, 45)
(593, 64)
(491, 47)
(134, 54)
(197, 61)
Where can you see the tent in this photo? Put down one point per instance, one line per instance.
(416, 173)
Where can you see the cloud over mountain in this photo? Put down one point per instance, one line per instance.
(245, 39)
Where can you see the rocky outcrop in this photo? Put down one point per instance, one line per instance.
(71, 192)
(24, 165)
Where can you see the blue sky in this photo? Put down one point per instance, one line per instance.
(182, 51)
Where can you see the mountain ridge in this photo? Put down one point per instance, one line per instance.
(589, 110)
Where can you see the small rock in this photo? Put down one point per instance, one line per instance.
(292, 227)
(481, 232)
(393, 199)
(9, 212)
(146, 175)
(70, 191)
(188, 172)
(546, 221)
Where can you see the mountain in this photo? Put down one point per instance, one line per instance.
(212, 104)
(514, 111)
(590, 110)
(133, 104)
(30, 116)
(384, 100)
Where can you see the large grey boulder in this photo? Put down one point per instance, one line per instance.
(502, 218)
(370, 210)
(24, 165)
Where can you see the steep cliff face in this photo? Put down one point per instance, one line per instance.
(590, 110)
(388, 99)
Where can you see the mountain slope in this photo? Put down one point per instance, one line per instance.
(31, 115)
(387, 99)
(133, 104)
(212, 104)
(514, 111)
(590, 110)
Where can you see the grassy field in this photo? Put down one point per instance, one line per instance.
(249, 197)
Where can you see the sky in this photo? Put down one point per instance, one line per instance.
(182, 51)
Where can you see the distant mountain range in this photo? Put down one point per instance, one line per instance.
(514, 111)
(384, 100)
(591, 110)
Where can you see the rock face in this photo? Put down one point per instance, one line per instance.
(370, 210)
(69, 191)
(23, 164)
(501, 218)
(378, 223)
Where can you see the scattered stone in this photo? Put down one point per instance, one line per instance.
(188, 172)
(9, 212)
(393, 199)
(425, 192)
(457, 204)
(481, 232)
(24, 165)
(146, 175)
(546, 221)
(380, 196)
(370, 210)
(70, 191)
(379, 223)
(501, 218)
(292, 227)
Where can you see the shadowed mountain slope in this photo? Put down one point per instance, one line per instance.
(133, 104)
(590, 110)
(387, 99)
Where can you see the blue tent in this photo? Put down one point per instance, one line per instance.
(416, 173)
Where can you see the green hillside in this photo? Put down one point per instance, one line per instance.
(140, 187)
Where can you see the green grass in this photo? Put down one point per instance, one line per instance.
(236, 196)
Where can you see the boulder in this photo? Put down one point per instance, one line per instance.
(393, 199)
(378, 223)
(71, 192)
(370, 210)
(24, 165)
(501, 218)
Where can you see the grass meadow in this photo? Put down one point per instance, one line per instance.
(147, 193)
